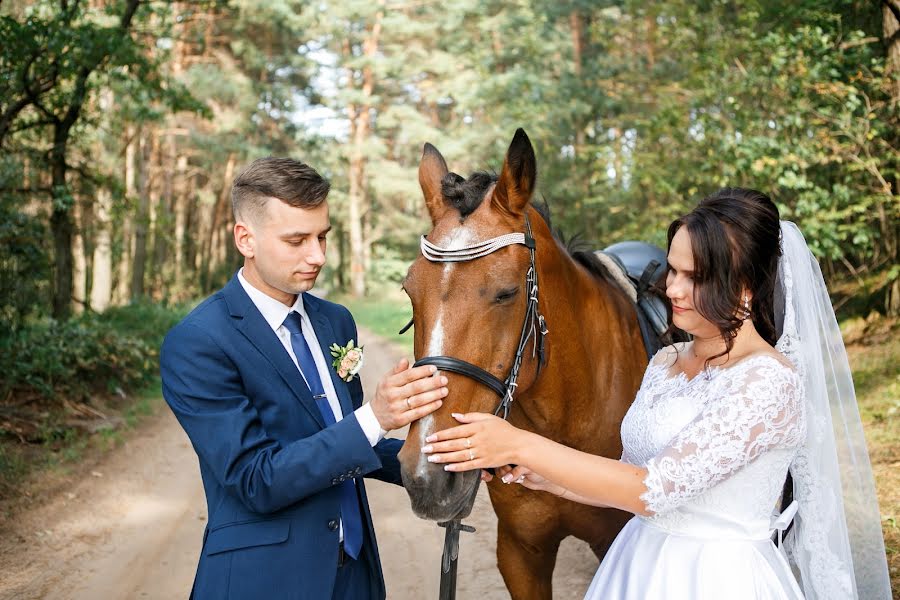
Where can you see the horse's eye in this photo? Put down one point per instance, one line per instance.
(504, 295)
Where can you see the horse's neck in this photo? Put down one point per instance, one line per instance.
(595, 355)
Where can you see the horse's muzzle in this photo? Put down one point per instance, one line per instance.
(438, 495)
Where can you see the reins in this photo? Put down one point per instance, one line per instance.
(533, 327)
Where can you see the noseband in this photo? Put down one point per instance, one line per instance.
(532, 327)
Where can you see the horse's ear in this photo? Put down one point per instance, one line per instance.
(518, 176)
(432, 169)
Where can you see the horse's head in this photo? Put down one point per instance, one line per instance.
(471, 310)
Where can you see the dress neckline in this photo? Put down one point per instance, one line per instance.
(716, 368)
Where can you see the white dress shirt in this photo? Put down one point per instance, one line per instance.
(274, 312)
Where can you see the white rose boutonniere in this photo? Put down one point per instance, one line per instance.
(348, 360)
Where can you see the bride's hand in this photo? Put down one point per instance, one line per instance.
(481, 442)
(529, 479)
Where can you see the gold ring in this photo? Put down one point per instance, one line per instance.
(408, 407)
(468, 443)
(471, 455)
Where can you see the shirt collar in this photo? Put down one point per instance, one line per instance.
(273, 311)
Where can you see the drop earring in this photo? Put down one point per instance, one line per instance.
(744, 310)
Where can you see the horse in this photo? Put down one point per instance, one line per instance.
(580, 370)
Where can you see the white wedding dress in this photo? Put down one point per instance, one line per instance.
(717, 448)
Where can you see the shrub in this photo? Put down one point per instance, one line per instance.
(88, 355)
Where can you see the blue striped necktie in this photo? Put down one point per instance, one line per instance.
(350, 516)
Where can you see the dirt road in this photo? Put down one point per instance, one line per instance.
(131, 529)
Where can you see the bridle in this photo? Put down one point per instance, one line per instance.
(533, 326)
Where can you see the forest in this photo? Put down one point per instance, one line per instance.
(122, 125)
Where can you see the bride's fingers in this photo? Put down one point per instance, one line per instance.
(502, 471)
(468, 465)
(460, 431)
(516, 474)
(448, 446)
(453, 457)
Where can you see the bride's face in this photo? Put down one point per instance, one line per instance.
(680, 288)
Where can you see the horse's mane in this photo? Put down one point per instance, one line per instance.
(466, 195)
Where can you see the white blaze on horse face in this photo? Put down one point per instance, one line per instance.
(459, 238)
(426, 423)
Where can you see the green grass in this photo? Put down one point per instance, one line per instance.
(384, 315)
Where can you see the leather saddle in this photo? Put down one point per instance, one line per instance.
(641, 265)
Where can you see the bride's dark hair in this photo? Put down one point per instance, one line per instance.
(735, 244)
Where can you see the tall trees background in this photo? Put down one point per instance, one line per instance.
(123, 123)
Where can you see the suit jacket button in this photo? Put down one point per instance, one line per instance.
(332, 524)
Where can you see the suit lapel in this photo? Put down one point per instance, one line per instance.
(325, 335)
(254, 327)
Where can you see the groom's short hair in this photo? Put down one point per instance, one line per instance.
(291, 181)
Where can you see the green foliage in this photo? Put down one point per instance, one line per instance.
(24, 266)
(81, 357)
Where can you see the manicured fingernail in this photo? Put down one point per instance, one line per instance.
(449, 468)
(434, 458)
(506, 478)
(426, 449)
(444, 391)
(456, 416)
(431, 438)
(440, 403)
(443, 380)
(433, 369)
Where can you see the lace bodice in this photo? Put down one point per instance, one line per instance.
(717, 447)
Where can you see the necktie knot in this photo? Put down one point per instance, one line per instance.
(294, 322)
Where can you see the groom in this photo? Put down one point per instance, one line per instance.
(283, 441)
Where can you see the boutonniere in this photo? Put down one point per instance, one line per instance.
(348, 360)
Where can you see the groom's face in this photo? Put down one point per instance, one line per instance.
(286, 248)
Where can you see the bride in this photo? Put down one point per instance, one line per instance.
(763, 389)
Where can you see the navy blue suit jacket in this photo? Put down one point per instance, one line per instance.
(269, 465)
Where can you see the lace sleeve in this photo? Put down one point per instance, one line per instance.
(757, 408)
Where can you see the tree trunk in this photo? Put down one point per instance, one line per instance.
(79, 258)
(101, 262)
(208, 254)
(61, 226)
(161, 205)
(358, 199)
(180, 205)
(355, 200)
(142, 218)
(577, 26)
(101, 286)
(126, 258)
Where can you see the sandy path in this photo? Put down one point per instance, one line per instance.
(131, 528)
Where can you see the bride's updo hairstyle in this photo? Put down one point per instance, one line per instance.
(735, 242)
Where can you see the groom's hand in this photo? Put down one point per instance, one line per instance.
(406, 394)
